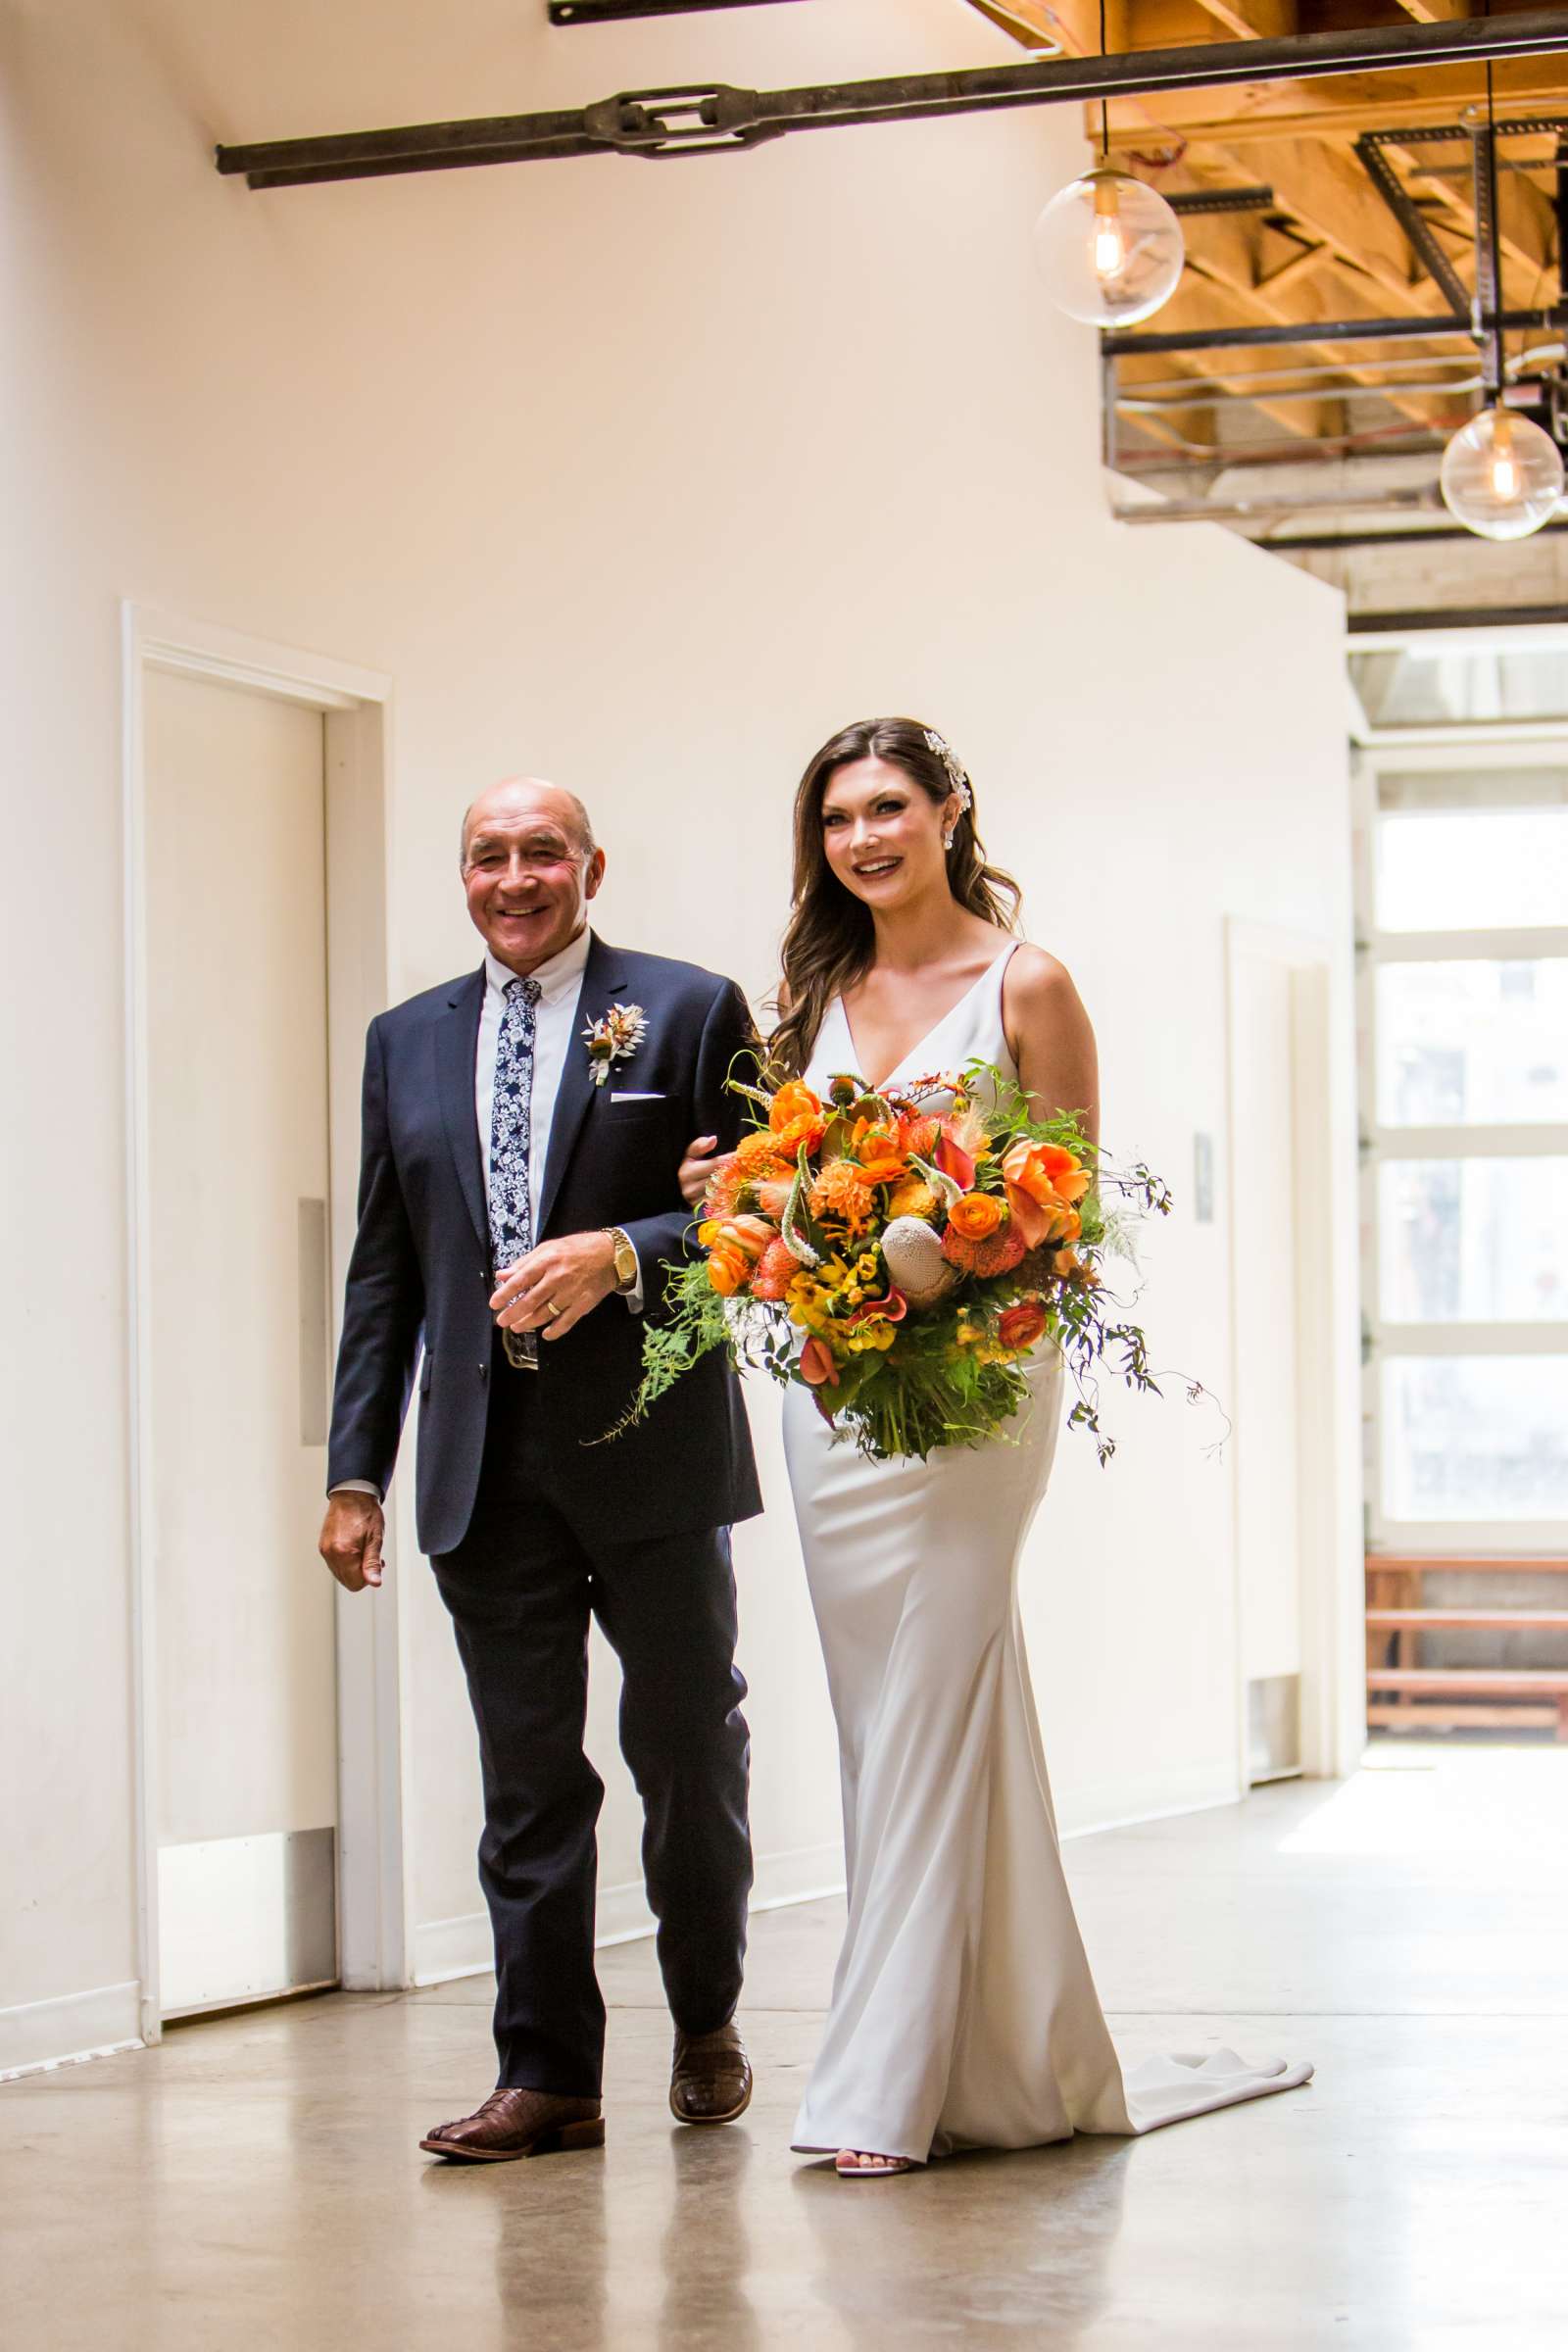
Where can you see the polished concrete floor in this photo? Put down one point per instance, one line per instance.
(255, 2180)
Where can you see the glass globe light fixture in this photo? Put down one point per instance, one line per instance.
(1109, 248)
(1502, 476)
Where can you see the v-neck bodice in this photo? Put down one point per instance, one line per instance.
(969, 1030)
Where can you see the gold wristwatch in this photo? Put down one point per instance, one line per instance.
(627, 1267)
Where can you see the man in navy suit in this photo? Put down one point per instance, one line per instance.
(518, 1198)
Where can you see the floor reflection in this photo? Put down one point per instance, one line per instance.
(1039, 2230)
(549, 2241)
(706, 2248)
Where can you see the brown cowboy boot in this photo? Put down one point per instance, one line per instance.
(510, 2123)
(711, 2077)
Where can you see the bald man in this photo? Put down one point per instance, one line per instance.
(522, 1132)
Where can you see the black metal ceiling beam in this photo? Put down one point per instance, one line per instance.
(1331, 330)
(711, 119)
(1325, 542)
(611, 12)
(1417, 228)
(1465, 617)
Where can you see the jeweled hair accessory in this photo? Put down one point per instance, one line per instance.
(949, 760)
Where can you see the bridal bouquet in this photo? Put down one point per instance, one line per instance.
(903, 1254)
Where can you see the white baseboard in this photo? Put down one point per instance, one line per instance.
(1124, 1805)
(461, 1947)
(444, 1948)
(36, 2034)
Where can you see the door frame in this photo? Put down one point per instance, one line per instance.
(1333, 1716)
(374, 1930)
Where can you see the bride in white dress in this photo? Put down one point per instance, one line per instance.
(964, 2012)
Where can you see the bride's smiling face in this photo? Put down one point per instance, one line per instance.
(882, 833)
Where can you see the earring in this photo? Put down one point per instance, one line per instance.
(947, 840)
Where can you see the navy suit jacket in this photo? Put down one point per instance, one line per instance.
(420, 1268)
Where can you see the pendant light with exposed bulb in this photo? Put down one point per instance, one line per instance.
(1108, 247)
(1502, 476)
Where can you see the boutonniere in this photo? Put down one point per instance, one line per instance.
(614, 1037)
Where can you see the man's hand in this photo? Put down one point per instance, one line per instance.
(556, 1285)
(351, 1539)
(701, 1164)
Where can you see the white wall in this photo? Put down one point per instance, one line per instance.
(646, 477)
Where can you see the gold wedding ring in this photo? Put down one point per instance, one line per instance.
(554, 1311)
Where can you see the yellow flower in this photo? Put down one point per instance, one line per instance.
(913, 1198)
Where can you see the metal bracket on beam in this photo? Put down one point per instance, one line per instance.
(1222, 200)
(1417, 228)
(1488, 269)
(631, 124)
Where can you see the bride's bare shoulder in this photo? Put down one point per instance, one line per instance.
(1037, 981)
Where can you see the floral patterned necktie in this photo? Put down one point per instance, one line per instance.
(511, 1135)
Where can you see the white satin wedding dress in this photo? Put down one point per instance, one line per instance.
(963, 2011)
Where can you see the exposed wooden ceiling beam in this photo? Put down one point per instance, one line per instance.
(1252, 20)
(1256, 306)
(1526, 231)
(1340, 107)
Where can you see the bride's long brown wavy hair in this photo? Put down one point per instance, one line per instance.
(831, 937)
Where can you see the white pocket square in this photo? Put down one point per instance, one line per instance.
(616, 1097)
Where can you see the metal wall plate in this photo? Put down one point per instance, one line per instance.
(246, 1919)
(1273, 1728)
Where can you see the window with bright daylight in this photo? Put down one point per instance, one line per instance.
(1464, 1026)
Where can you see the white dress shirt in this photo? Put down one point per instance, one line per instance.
(556, 1035)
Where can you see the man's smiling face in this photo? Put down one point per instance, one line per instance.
(529, 868)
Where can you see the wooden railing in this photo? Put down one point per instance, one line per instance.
(1403, 1695)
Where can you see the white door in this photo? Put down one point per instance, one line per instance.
(1265, 1160)
(238, 1338)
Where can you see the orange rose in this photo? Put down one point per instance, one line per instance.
(817, 1367)
(796, 1116)
(976, 1215)
(1022, 1324)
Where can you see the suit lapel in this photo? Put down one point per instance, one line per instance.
(603, 975)
(457, 1045)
